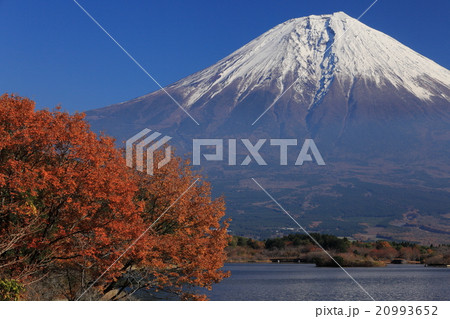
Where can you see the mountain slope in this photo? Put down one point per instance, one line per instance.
(315, 52)
(378, 111)
(301, 48)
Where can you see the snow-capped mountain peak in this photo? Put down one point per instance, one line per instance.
(314, 51)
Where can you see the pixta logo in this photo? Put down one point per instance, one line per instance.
(309, 148)
(143, 142)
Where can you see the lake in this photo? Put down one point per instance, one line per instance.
(255, 281)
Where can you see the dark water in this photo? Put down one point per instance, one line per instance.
(307, 282)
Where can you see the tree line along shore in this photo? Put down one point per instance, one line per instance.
(347, 253)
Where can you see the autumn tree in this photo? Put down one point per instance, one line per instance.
(186, 247)
(409, 253)
(69, 208)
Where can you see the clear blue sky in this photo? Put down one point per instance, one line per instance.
(51, 52)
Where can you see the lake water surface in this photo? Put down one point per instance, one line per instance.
(255, 281)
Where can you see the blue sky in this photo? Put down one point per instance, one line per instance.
(52, 53)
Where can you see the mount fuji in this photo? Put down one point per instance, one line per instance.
(378, 111)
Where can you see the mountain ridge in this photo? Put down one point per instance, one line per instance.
(378, 111)
(339, 17)
(286, 53)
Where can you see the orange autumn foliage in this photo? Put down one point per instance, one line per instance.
(69, 207)
(188, 240)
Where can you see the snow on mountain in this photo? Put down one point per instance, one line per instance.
(340, 73)
(319, 49)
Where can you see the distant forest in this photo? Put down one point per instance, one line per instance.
(302, 248)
